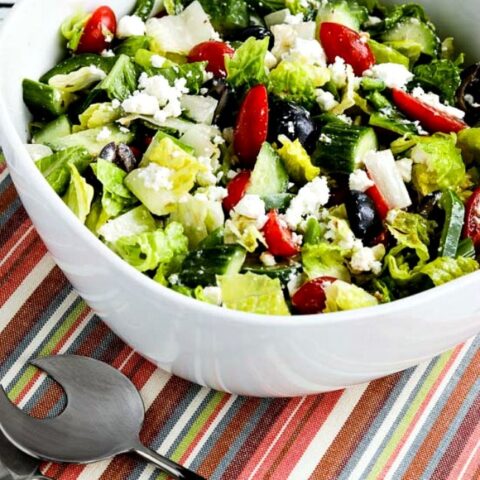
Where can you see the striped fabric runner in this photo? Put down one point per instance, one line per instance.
(423, 423)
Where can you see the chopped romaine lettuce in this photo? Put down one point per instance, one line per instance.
(79, 194)
(297, 161)
(247, 67)
(444, 269)
(324, 260)
(253, 293)
(72, 29)
(341, 296)
(131, 45)
(469, 142)
(98, 115)
(385, 54)
(438, 164)
(244, 231)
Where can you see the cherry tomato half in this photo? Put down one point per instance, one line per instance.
(340, 41)
(380, 203)
(310, 298)
(236, 190)
(430, 118)
(251, 129)
(214, 53)
(471, 229)
(98, 31)
(279, 237)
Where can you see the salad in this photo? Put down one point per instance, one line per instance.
(270, 156)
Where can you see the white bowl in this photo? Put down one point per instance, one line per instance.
(227, 350)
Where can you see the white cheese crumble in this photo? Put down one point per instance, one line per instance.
(360, 181)
(268, 259)
(108, 53)
(393, 75)
(471, 101)
(130, 26)
(141, 104)
(157, 61)
(156, 177)
(252, 206)
(325, 139)
(367, 259)
(310, 50)
(293, 19)
(310, 198)
(326, 100)
(433, 100)
(404, 166)
(338, 70)
(270, 60)
(213, 295)
(104, 134)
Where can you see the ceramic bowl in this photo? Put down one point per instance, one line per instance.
(227, 350)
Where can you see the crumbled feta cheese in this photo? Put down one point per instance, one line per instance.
(141, 103)
(108, 53)
(268, 259)
(157, 61)
(338, 70)
(294, 283)
(130, 26)
(310, 198)
(345, 118)
(218, 140)
(174, 279)
(393, 75)
(471, 101)
(325, 139)
(360, 181)
(116, 103)
(433, 100)
(231, 174)
(372, 21)
(251, 206)
(310, 50)
(404, 166)
(270, 60)
(291, 127)
(104, 134)
(286, 41)
(293, 19)
(326, 100)
(213, 295)
(156, 177)
(367, 259)
(213, 193)
(203, 91)
(297, 239)
(124, 129)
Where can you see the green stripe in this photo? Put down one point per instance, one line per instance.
(48, 348)
(195, 428)
(409, 415)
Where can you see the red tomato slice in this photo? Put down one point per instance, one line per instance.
(310, 297)
(100, 25)
(252, 125)
(278, 237)
(236, 190)
(471, 229)
(430, 118)
(214, 53)
(340, 41)
(380, 203)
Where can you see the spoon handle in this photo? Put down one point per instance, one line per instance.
(167, 466)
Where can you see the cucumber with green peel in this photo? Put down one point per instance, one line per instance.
(345, 13)
(385, 54)
(283, 272)
(159, 136)
(143, 9)
(93, 140)
(452, 228)
(214, 239)
(277, 201)
(466, 249)
(269, 175)
(202, 266)
(58, 128)
(395, 124)
(415, 32)
(343, 147)
(77, 62)
(45, 99)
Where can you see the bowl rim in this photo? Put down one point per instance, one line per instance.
(10, 136)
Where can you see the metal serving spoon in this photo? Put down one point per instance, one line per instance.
(103, 418)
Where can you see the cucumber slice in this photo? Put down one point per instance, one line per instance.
(415, 32)
(398, 125)
(143, 9)
(278, 201)
(214, 239)
(385, 54)
(201, 267)
(73, 64)
(283, 272)
(269, 176)
(92, 140)
(58, 128)
(350, 14)
(344, 147)
(46, 99)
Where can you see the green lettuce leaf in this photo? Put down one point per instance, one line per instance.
(253, 293)
(385, 54)
(247, 67)
(324, 260)
(244, 232)
(79, 195)
(296, 81)
(72, 29)
(297, 161)
(77, 80)
(146, 251)
(55, 168)
(438, 164)
(443, 270)
(98, 115)
(440, 76)
(341, 296)
(469, 142)
(131, 45)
